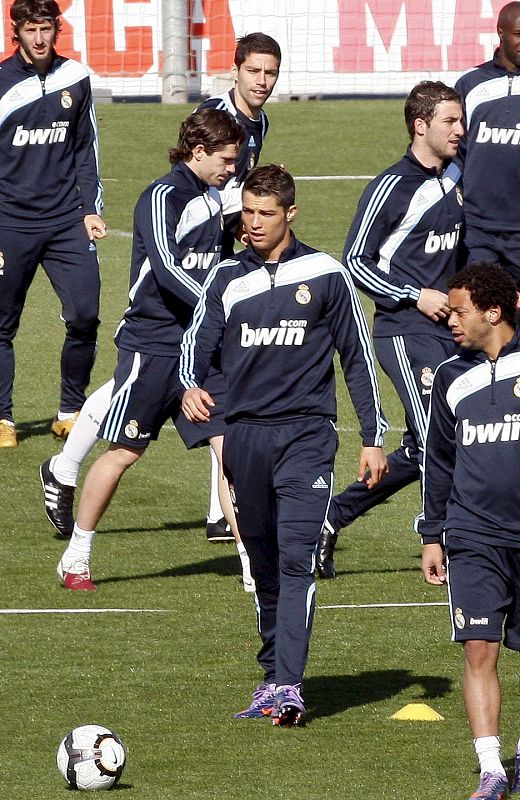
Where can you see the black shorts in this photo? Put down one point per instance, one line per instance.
(146, 394)
(483, 591)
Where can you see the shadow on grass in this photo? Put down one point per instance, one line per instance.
(371, 571)
(332, 694)
(194, 524)
(36, 427)
(223, 566)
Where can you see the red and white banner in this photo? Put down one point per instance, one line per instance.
(329, 46)
(119, 40)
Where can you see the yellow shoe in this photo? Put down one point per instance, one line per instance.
(7, 434)
(61, 428)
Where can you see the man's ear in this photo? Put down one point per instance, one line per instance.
(420, 126)
(198, 151)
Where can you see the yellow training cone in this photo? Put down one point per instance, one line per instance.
(417, 711)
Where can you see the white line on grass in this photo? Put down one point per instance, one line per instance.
(170, 610)
(82, 610)
(384, 605)
(127, 235)
(121, 234)
(333, 177)
(299, 178)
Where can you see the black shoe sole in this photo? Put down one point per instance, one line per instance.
(289, 717)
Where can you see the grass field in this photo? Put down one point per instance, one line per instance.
(169, 679)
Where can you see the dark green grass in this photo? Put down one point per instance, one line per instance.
(169, 681)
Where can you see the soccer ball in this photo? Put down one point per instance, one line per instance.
(91, 757)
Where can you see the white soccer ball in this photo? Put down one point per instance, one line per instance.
(91, 757)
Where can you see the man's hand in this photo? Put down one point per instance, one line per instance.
(432, 564)
(433, 304)
(95, 227)
(372, 466)
(196, 404)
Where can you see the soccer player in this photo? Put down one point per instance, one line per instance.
(401, 249)
(255, 71)
(489, 150)
(177, 233)
(50, 201)
(471, 499)
(256, 67)
(278, 311)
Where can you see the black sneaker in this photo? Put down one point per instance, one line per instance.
(325, 554)
(219, 531)
(58, 500)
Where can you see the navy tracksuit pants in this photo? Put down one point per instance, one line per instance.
(282, 474)
(410, 363)
(71, 264)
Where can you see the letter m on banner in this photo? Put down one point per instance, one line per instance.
(397, 28)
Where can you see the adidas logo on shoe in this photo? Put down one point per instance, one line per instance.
(58, 501)
(320, 483)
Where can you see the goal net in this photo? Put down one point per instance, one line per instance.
(175, 48)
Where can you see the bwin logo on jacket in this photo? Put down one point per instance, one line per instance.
(498, 135)
(290, 332)
(506, 431)
(22, 136)
(200, 260)
(442, 241)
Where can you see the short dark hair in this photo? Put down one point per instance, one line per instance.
(271, 180)
(256, 43)
(488, 285)
(34, 11)
(212, 128)
(423, 100)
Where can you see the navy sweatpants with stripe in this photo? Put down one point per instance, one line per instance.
(71, 264)
(410, 363)
(282, 475)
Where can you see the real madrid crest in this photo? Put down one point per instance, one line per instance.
(516, 388)
(427, 377)
(460, 620)
(303, 294)
(458, 195)
(132, 429)
(66, 99)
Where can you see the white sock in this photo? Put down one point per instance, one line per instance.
(83, 436)
(78, 550)
(247, 578)
(518, 746)
(215, 509)
(242, 552)
(487, 749)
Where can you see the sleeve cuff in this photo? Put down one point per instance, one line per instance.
(431, 539)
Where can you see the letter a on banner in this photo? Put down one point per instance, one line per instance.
(418, 49)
